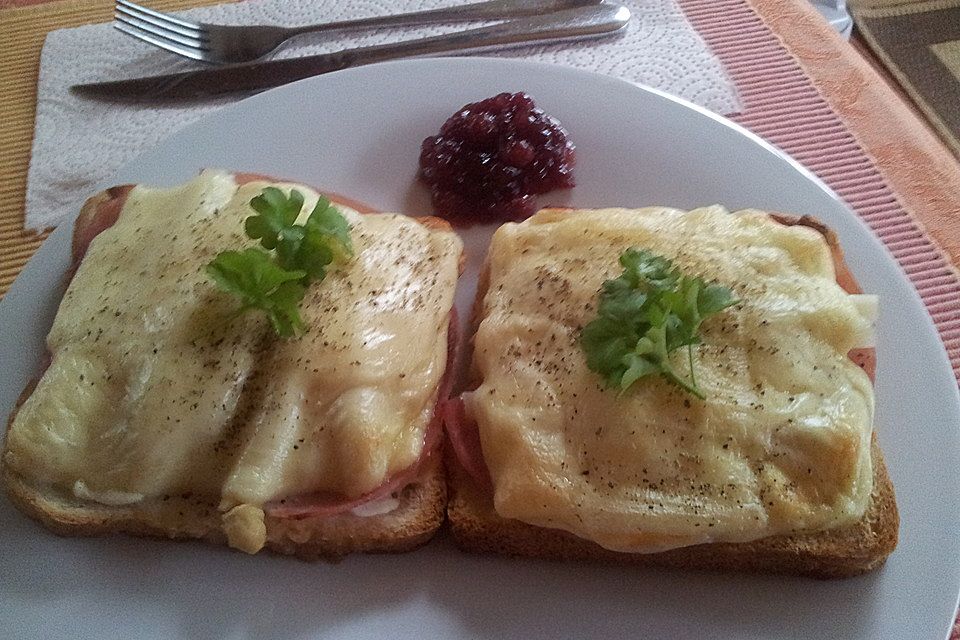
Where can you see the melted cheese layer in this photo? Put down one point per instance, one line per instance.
(782, 442)
(156, 388)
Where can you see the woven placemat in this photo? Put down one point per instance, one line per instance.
(22, 31)
(919, 44)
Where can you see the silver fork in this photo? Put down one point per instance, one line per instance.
(221, 44)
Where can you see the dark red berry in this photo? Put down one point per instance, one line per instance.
(491, 157)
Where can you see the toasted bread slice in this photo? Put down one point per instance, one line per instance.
(835, 553)
(418, 515)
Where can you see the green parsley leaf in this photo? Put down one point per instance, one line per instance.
(648, 312)
(326, 222)
(276, 215)
(252, 276)
(275, 280)
(324, 237)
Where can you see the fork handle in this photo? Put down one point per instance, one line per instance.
(489, 10)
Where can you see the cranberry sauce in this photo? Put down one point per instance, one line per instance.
(491, 158)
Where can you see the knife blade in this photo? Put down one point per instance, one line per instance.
(569, 24)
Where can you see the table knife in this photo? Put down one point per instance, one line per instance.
(569, 24)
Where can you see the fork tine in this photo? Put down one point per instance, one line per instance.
(173, 47)
(186, 24)
(160, 32)
(162, 24)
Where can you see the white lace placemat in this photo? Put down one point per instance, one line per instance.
(80, 142)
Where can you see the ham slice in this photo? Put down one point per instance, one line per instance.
(327, 504)
(103, 210)
(463, 434)
(97, 215)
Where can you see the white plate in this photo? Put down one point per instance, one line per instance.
(358, 133)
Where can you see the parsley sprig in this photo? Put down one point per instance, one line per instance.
(274, 276)
(644, 315)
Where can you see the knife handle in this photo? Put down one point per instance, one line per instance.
(489, 10)
(577, 23)
(569, 24)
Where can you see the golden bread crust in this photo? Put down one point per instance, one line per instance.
(410, 525)
(836, 553)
